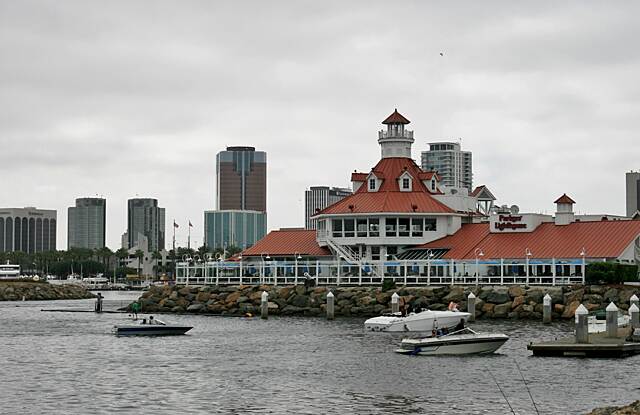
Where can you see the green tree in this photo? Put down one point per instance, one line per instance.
(139, 254)
(121, 254)
(156, 255)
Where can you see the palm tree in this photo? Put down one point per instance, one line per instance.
(121, 254)
(156, 255)
(139, 254)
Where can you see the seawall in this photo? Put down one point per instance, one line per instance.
(30, 290)
(514, 302)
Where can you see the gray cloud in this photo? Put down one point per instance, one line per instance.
(136, 98)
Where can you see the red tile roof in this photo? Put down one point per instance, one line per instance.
(564, 199)
(389, 198)
(605, 239)
(396, 118)
(287, 242)
(358, 177)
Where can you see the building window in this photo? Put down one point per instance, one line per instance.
(403, 226)
(391, 225)
(375, 253)
(372, 184)
(361, 227)
(429, 224)
(349, 228)
(405, 184)
(416, 227)
(374, 227)
(337, 228)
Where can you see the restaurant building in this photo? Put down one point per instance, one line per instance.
(403, 223)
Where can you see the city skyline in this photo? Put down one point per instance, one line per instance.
(543, 99)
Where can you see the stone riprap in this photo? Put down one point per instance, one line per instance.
(29, 291)
(631, 409)
(514, 302)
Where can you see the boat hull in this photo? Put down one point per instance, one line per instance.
(150, 330)
(423, 321)
(454, 345)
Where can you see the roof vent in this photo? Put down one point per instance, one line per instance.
(351, 207)
(414, 207)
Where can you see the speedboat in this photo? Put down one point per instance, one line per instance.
(427, 320)
(461, 342)
(149, 327)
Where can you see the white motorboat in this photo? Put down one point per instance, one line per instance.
(461, 342)
(427, 320)
(149, 327)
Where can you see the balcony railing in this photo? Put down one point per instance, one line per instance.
(404, 134)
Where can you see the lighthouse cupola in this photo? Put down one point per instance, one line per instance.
(395, 141)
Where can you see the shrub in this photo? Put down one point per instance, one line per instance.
(388, 284)
(610, 273)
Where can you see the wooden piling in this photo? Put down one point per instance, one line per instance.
(330, 306)
(546, 308)
(98, 306)
(634, 300)
(395, 303)
(471, 306)
(634, 312)
(612, 320)
(582, 325)
(264, 305)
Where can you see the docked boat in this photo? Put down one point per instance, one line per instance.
(427, 320)
(9, 271)
(461, 342)
(596, 324)
(149, 327)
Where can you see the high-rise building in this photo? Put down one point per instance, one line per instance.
(87, 223)
(27, 229)
(318, 198)
(452, 164)
(239, 228)
(241, 179)
(633, 192)
(145, 218)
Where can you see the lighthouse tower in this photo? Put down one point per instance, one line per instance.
(396, 141)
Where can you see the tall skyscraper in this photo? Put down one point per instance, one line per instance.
(633, 192)
(87, 223)
(241, 179)
(145, 218)
(452, 164)
(318, 198)
(27, 229)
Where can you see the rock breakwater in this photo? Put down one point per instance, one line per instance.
(513, 302)
(18, 290)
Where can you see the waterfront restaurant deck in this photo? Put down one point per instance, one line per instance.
(402, 272)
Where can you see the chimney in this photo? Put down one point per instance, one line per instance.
(564, 210)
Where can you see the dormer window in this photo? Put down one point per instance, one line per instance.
(433, 185)
(372, 184)
(406, 185)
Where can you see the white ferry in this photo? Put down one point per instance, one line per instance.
(9, 271)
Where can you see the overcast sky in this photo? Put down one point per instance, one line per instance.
(126, 99)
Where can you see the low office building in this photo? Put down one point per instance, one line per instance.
(27, 229)
(238, 228)
(318, 198)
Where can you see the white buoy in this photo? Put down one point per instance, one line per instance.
(546, 308)
(582, 325)
(330, 306)
(612, 320)
(264, 305)
(395, 303)
(471, 306)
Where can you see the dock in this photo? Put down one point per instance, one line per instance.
(599, 345)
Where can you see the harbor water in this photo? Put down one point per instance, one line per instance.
(62, 363)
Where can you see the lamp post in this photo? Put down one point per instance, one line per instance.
(429, 258)
(583, 254)
(295, 275)
(478, 253)
(527, 254)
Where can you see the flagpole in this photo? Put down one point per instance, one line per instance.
(174, 236)
(189, 237)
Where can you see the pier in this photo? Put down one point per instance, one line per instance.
(599, 346)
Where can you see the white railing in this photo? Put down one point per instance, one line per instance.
(409, 272)
(386, 134)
